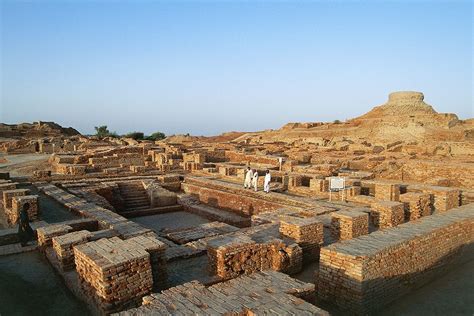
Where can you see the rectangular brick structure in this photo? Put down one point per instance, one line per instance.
(386, 214)
(387, 191)
(416, 205)
(7, 186)
(9, 194)
(444, 198)
(365, 273)
(306, 231)
(231, 256)
(17, 206)
(63, 247)
(349, 224)
(114, 272)
(46, 234)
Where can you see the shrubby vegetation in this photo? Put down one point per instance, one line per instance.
(135, 135)
(103, 131)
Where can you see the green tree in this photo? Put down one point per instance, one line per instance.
(156, 136)
(135, 135)
(102, 131)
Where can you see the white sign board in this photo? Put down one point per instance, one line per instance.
(336, 183)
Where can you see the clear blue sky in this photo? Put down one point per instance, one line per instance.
(207, 67)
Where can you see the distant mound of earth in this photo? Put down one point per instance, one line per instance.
(405, 116)
(36, 130)
(225, 137)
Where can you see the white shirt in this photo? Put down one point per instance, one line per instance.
(268, 178)
(249, 175)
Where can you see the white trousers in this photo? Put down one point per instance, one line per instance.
(266, 187)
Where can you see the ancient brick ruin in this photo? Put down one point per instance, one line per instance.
(167, 227)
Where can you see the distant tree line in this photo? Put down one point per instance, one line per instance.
(103, 131)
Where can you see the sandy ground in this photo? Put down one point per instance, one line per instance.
(23, 164)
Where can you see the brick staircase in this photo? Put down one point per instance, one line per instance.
(134, 196)
(137, 202)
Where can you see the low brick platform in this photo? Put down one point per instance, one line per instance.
(416, 205)
(262, 293)
(230, 256)
(386, 214)
(184, 235)
(365, 273)
(17, 205)
(349, 224)
(8, 196)
(117, 273)
(46, 234)
(306, 231)
(387, 191)
(63, 247)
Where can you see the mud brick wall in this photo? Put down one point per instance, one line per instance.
(387, 191)
(307, 232)
(191, 166)
(349, 224)
(116, 273)
(159, 196)
(41, 174)
(459, 174)
(242, 205)
(355, 274)
(46, 234)
(17, 206)
(63, 247)
(245, 158)
(416, 205)
(231, 256)
(156, 249)
(9, 194)
(385, 214)
(445, 198)
(7, 186)
(319, 185)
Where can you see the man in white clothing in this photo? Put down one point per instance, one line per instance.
(266, 183)
(255, 179)
(248, 178)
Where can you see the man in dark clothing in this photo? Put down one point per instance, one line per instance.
(25, 233)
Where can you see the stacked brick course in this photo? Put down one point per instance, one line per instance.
(230, 256)
(262, 293)
(8, 196)
(307, 232)
(5, 186)
(416, 205)
(349, 224)
(63, 247)
(386, 214)
(115, 272)
(386, 191)
(444, 198)
(17, 205)
(365, 273)
(46, 234)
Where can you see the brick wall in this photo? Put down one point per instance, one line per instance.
(243, 205)
(365, 273)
